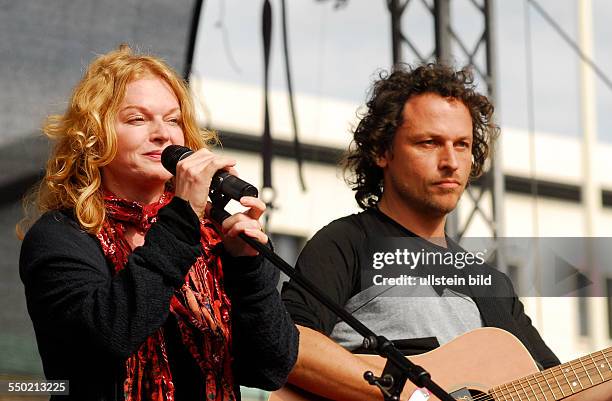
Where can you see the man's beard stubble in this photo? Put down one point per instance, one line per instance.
(426, 204)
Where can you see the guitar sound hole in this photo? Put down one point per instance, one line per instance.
(466, 394)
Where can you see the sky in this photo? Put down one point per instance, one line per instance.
(337, 51)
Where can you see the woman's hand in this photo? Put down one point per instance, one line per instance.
(246, 222)
(194, 174)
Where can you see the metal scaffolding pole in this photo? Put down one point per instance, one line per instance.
(395, 12)
(442, 23)
(449, 44)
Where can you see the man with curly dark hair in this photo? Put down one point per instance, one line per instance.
(424, 134)
(387, 112)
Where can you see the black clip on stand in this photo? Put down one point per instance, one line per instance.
(397, 369)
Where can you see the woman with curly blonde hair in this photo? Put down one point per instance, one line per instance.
(133, 292)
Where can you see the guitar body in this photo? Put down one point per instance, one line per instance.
(478, 360)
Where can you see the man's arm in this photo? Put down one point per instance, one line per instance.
(325, 368)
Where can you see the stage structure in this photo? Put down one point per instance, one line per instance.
(449, 45)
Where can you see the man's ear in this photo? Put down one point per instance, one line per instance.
(383, 159)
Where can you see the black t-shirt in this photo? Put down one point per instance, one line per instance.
(332, 260)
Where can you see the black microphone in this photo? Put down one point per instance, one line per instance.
(222, 181)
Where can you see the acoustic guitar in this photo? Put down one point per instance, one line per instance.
(484, 364)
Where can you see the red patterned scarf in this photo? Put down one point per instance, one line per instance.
(201, 308)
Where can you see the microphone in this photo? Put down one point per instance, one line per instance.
(222, 182)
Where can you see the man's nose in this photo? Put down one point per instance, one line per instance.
(448, 157)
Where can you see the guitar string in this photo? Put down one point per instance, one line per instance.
(554, 374)
(543, 391)
(499, 391)
(584, 367)
(492, 395)
(594, 367)
(526, 386)
(531, 388)
(582, 374)
(511, 397)
(598, 371)
(607, 362)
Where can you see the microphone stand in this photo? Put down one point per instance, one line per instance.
(397, 369)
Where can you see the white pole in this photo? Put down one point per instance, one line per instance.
(591, 196)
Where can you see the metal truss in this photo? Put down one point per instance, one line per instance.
(478, 53)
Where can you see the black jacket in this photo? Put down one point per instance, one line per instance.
(88, 321)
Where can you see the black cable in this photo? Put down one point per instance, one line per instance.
(266, 141)
(571, 43)
(193, 34)
(296, 140)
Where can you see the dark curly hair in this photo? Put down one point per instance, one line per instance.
(384, 115)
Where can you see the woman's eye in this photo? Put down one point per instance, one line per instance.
(135, 119)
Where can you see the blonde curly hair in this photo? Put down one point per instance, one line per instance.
(85, 138)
